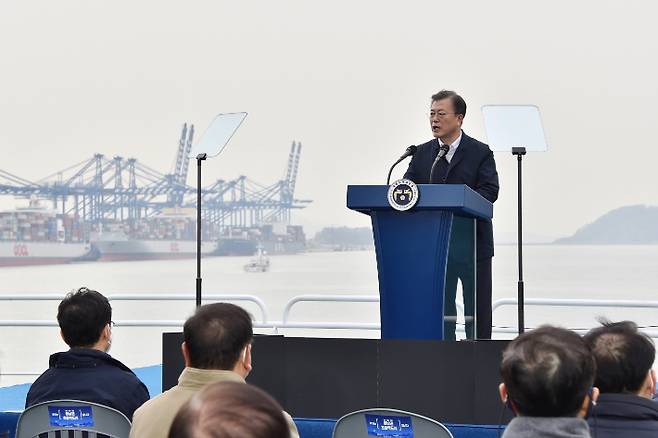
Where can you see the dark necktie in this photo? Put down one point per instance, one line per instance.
(441, 170)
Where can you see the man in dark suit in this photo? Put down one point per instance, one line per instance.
(469, 162)
(625, 376)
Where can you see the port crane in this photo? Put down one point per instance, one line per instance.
(100, 189)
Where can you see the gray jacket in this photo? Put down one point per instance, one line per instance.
(547, 427)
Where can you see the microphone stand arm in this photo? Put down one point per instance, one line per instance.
(388, 178)
(440, 155)
(434, 167)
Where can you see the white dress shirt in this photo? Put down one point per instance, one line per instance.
(453, 147)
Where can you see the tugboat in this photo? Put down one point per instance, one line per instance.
(260, 263)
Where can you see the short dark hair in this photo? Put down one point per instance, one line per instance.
(82, 315)
(623, 356)
(216, 334)
(548, 372)
(230, 410)
(458, 102)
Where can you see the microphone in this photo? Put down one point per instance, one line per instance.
(407, 153)
(443, 150)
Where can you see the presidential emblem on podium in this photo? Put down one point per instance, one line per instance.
(402, 194)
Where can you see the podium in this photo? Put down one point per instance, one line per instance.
(418, 250)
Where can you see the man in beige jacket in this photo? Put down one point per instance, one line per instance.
(216, 348)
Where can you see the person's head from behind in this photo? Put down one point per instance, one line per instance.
(230, 410)
(85, 320)
(624, 359)
(218, 337)
(548, 372)
(447, 112)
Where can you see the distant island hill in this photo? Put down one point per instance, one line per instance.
(631, 225)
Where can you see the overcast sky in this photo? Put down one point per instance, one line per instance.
(351, 80)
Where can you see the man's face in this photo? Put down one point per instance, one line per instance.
(443, 120)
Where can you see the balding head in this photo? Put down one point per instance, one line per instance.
(216, 335)
(624, 357)
(547, 372)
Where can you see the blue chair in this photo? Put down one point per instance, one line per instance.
(388, 422)
(71, 417)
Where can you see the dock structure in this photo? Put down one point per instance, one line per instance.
(121, 189)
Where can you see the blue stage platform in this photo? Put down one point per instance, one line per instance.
(12, 401)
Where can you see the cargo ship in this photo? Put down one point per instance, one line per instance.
(237, 242)
(275, 238)
(35, 235)
(235, 247)
(137, 249)
(280, 238)
(170, 235)
(43, 253)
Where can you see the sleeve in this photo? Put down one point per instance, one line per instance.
(136, 423)
(140, 396)
(28, 399)
(487, 178)
(34, 394)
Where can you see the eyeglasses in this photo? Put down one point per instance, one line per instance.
(112, 324)
(440, 114)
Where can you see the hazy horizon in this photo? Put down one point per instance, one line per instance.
(351, 81)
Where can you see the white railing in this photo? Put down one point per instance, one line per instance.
(567, 302)
(574, 302)
(335, 299)
(263, 323)
(129, 297)
(285, 323)
(330, 325)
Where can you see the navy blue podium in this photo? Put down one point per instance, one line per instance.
(415, 249)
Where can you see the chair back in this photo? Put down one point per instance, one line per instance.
(384, 422)
(71, 418)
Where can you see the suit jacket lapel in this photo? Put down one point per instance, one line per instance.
(459, 153)
(435, 148)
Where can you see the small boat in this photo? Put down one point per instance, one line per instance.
(260, 263)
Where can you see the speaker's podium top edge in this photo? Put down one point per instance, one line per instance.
(458, 198)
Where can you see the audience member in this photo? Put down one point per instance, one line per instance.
(86, 371)
(216, 348)
(548, 375)
(230, 410)
(624, 375)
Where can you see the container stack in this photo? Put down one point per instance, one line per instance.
(8, 227)
(39, 226)
(165, 228)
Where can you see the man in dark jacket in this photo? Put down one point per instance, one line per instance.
(86, 372)
(469, 162)
(624, 359)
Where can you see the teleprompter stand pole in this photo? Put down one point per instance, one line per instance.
(520, 152)
(199, 159)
